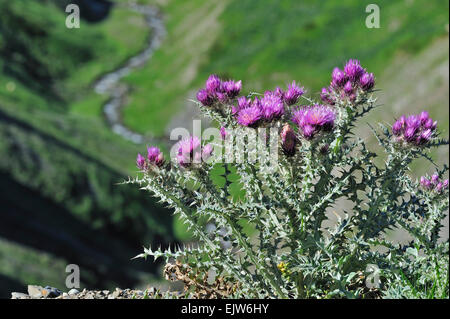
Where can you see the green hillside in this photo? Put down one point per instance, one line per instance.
(60, 162)
(60, 168)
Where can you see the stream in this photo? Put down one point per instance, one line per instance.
(110, 85)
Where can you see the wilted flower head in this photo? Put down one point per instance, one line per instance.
(414, 129)
(312, 119)
(293, 93)
(288, 140)
(271, 106)
(249, 116)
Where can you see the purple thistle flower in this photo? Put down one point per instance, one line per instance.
(398, 126)
(222, 97)
(413, 121)
(429, 124)
(308, 131)
(312, 119)
(140, 162)
(414, 129)
(367, 81)
(424, 137)
(434, 178)
(155, 156)
(439, 187)
(204, 97)
(288, 140)
(232, 88)
(293, 93)
(338, 77)
(243, 102)
(213, 84)
(249, 116)
(271, 106)
(409, 134)
(348, 88)
(424, 116)
(326, 97)
(445, 183)
(279, 92)
(353, 70)
(187, 149)
(152, 153)
(425, 182)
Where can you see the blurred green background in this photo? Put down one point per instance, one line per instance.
(60, 162)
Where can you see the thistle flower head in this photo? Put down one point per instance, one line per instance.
(433, 183)
(232, 88)
(293, 93)
(367, 81)
(326, 97)
(213, 84)
(249, 116)
(243, 102)
(338, 77)
(271, 106)
(279, 92)
(190, 151)
(222, 97)
(312, 119)
(155, 156)
(414, 129)
(140, 162)
(204, 97)
(348, 88)
(353, 70)
(399, 125)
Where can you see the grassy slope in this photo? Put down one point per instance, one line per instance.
(270, 43)
(58, 146)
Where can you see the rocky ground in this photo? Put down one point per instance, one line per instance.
(38, 292)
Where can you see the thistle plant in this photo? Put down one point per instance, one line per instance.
(319, 209)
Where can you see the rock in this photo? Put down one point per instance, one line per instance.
(52, 292)
(19, 295)
(36, 291)
(73, 292)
